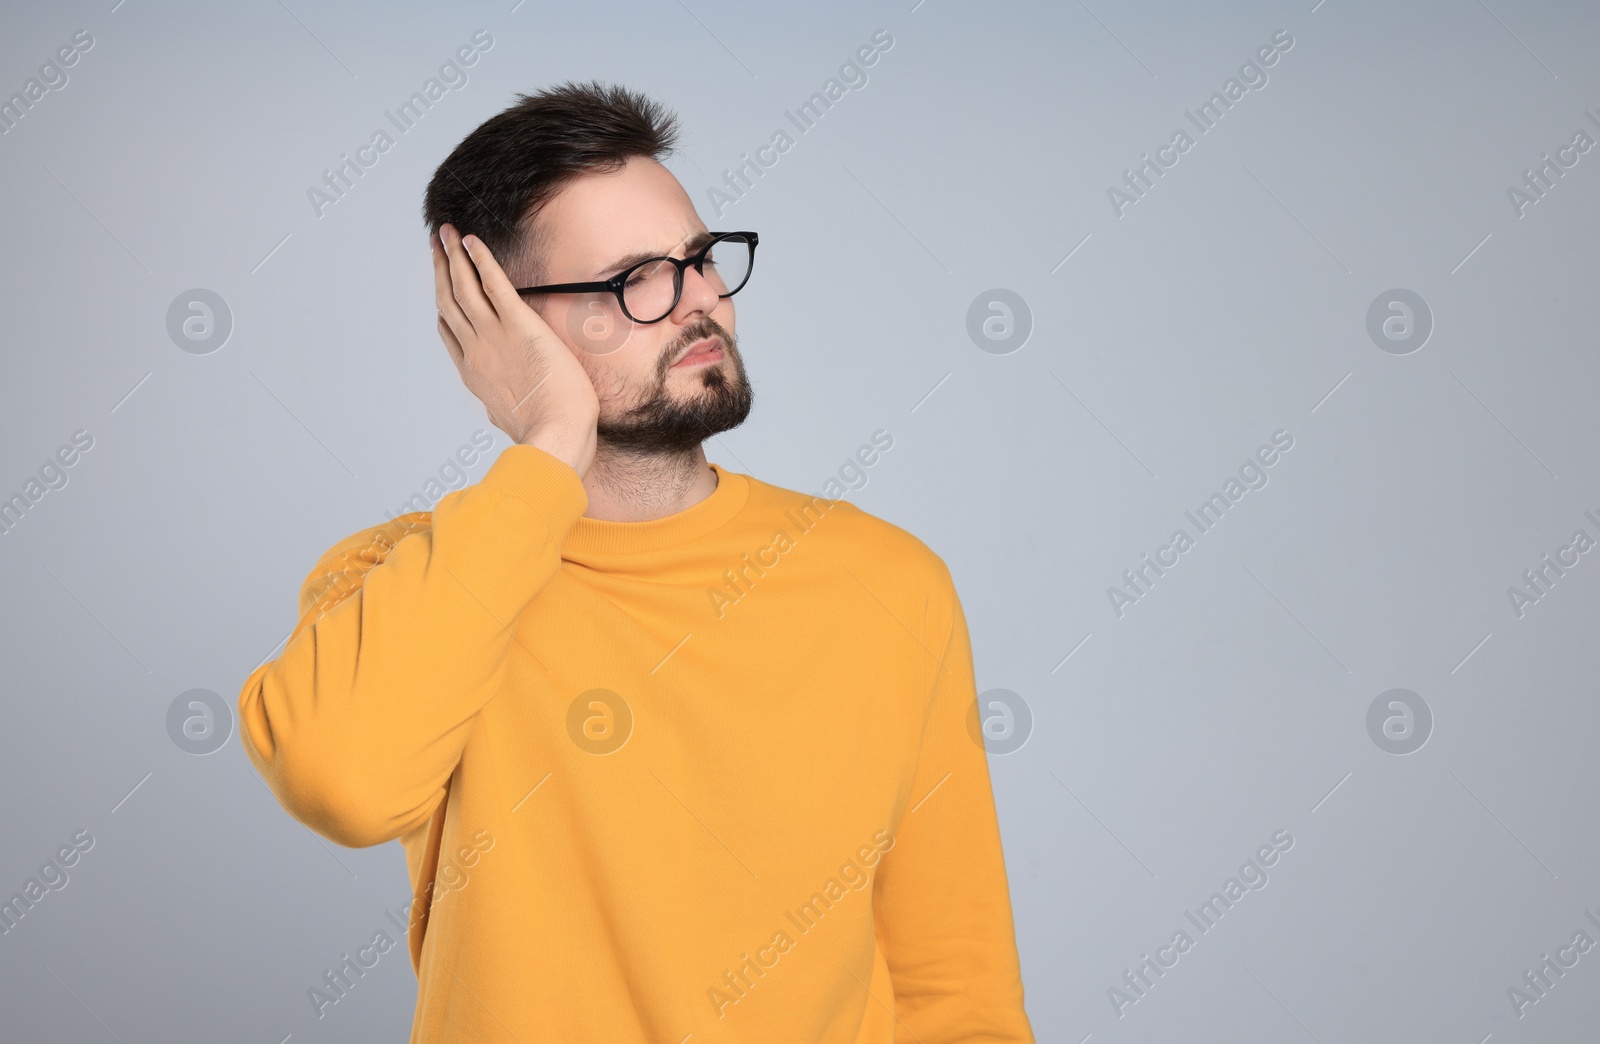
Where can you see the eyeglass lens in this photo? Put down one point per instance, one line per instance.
(649, 292)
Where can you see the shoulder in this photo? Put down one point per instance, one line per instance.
(855, 537)
(341, 568)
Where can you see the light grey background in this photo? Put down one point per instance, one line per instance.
(1229, 303)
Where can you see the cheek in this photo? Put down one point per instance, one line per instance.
(596, 328)
(617, 378)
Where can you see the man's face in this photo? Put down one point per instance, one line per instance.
(653, 399)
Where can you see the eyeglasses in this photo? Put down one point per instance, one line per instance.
(650, 290)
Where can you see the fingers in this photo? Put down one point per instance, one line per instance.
(450, 314)
(451, 344)
(496, 284)
(464, 281)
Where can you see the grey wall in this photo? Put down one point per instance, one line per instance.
(1161, 745)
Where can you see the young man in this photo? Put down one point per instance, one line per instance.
(676, 755)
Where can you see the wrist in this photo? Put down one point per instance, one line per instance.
(567, 443)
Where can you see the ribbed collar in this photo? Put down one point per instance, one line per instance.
(598, 536)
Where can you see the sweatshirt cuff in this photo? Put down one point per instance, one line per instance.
(548, 485)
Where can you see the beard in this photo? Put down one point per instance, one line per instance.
(667, 424)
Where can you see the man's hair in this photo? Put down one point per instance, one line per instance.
(502, 174)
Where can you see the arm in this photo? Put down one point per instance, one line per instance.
(405, 631)
(941, 900)
(403, 637)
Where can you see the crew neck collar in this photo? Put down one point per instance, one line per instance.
(600, 536)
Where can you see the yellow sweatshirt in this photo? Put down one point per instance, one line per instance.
(711, 777)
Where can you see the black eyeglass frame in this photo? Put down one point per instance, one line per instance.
(616, 283)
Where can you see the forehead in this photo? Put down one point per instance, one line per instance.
(598, 218)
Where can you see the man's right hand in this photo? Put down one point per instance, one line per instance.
(533, 387)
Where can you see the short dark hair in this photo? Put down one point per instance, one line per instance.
(502, 174)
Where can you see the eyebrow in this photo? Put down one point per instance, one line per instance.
(694, 243)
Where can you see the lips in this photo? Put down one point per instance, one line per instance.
(705, 350)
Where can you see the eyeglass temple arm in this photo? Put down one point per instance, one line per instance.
(596, 287)
(566, 288)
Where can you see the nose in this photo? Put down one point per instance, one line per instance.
(699, 295)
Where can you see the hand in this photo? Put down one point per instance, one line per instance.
(531, 384)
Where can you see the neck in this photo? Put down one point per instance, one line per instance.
(629, 487)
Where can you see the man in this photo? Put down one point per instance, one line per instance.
(675, 754)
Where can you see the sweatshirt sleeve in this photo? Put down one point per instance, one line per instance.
(404, 634)
(942, 903)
